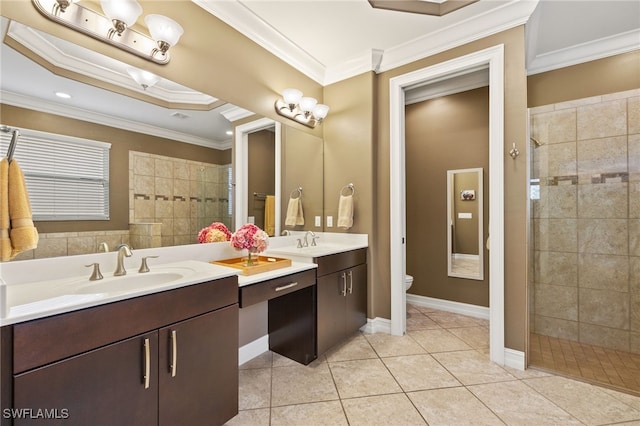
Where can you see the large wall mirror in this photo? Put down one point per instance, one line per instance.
(183, 138)
(465, 253)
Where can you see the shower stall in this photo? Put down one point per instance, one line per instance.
(584, 285)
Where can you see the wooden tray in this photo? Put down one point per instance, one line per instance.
(263, 264)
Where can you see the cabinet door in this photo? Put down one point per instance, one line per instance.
(198, 368)
(105, 386)
(331, 310)
(356, 314)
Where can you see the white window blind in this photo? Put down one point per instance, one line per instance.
(67, 178)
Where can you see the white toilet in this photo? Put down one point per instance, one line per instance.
(408, 281)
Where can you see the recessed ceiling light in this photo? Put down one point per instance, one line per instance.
(229, 132)
(63, 95)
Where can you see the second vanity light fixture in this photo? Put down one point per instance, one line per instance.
(114, 27)
(304, 110)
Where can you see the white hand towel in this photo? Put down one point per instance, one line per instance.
(345, 212)
(295, 216)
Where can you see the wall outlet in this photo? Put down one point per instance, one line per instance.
(318, 221)
(329, 221)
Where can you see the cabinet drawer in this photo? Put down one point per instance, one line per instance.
(50, 339)
(265, 290)
(339, 261)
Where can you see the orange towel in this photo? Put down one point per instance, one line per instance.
(270, 215)
(5, 242)
(23, 234)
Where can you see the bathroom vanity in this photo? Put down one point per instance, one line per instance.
(342, 296)
(141, 360)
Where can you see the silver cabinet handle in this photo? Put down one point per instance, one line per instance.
(284, 287)
(350, 282)
(344, 284)
(146, 361)
(174, 352)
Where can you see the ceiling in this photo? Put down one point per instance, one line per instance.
(330, 40)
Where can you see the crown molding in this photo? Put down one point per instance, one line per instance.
(491, 22)
(584, 52)
(234, 113)
(92, 65)
(370, 61)
(66, 111)
(247, 23)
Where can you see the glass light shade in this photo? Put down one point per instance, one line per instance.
(142, 77)
(126, 11)
(307, 104)
(320, 111)
(291, 96)
(164, 29)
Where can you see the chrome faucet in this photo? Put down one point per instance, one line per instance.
(123, 250)
(285, 232)
(103, 247)
(313, 238)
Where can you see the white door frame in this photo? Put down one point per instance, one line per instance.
(493, 58)
(241, 166)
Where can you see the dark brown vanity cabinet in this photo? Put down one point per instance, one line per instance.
(342, 296)
(168, 358)
(292, 313)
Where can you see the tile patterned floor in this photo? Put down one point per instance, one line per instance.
(596, 364)
(438, 374)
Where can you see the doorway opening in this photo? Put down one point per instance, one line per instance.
(493, 59)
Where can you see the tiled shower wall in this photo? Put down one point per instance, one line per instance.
(182, 196)
(585, 208)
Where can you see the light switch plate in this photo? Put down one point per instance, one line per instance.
(329, 221)
(318, 221)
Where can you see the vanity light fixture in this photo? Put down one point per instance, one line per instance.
(304, 110)
(144, 78)
(114, 27)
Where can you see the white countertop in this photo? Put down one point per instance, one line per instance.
(40, 288)
(44, 298)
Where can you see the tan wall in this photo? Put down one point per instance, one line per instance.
(515, 195)
(122, 141)
(349, 144)
(210, 57)
(443, 134)
(609, 75)
(302, 166)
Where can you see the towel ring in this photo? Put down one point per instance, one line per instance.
(348, 187)
(297, 191)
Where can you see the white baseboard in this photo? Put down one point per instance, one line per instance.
(449, 306)
(514, 359)
(253, 349)
(377, 325)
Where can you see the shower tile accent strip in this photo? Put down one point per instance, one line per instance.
(585, 226)
(610, 178)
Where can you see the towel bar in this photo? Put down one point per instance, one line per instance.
(348, 187)
(297, 191)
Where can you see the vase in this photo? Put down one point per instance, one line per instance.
(252, 258)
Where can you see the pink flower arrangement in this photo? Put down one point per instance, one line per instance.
(251, 238)
(214, 233)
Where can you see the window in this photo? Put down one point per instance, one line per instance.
(67, 178)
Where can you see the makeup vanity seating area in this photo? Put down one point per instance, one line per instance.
(161, 347)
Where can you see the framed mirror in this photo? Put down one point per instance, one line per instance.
(465, 251)
(164, 137)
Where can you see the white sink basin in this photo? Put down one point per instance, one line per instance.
(128, 283)
(322, 249)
